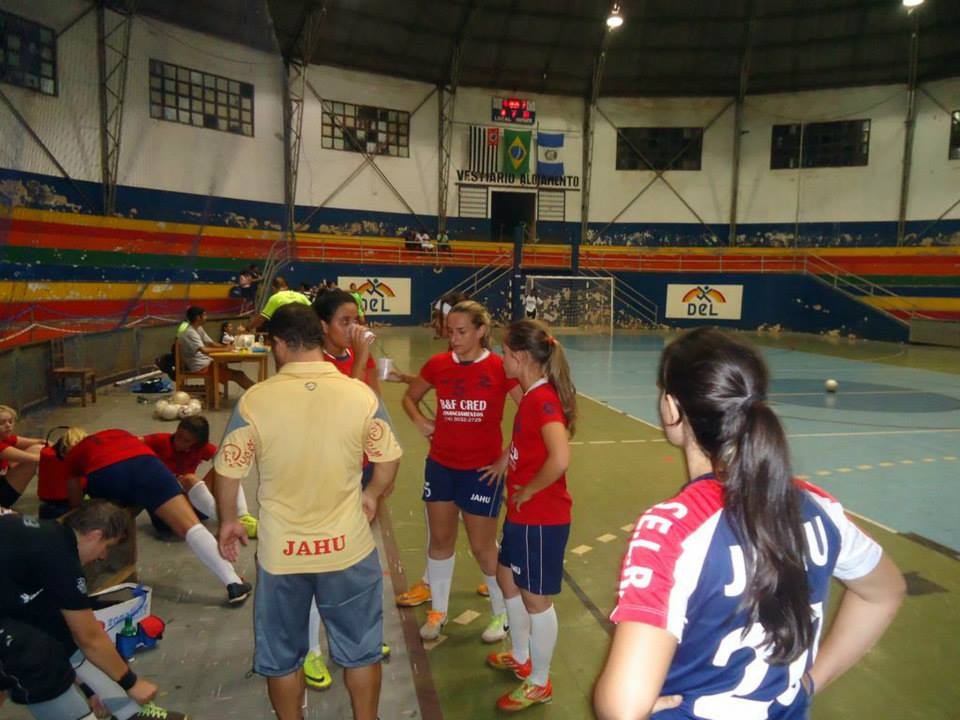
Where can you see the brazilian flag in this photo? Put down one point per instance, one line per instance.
(516, 152)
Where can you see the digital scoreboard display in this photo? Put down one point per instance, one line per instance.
(516, 111)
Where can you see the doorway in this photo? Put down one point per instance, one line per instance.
(508, 210)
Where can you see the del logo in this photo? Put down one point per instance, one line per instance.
(702, 301)
(375, 295)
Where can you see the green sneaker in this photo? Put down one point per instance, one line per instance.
(250, 524)
(496, 629)
(155, 712)
(315, 671)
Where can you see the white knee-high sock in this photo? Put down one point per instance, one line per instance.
(440, 573)
(497, 605)
(242, 508)
(519, 620)
(313, 630)
(543, 639)
(426, 525)
(204, 546)
(202, 499)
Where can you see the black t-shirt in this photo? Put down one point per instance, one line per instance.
(39, 567)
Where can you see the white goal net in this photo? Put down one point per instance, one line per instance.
(570, 301)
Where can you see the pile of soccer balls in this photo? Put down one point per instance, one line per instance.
(180, 405)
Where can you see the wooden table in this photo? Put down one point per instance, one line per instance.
(222, 358)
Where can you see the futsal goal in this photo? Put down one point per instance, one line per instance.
(571, 301)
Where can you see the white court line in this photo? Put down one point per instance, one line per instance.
(871, 520)
(632, 417)
(874, 432)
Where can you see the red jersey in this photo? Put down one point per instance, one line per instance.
(102, 449)
(551, 506)
(470, 397)
(181, 463)
(8, 441)
(344, 363)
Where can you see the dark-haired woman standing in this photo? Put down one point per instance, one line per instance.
(724, 586)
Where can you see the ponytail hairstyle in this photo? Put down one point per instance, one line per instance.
(479, 316)
(533, 337)
(720, 386)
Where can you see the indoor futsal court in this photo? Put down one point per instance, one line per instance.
(624, 170)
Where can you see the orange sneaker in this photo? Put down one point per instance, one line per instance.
(483, 590)
(506, 661)
(417, 595)
(526, 695)
(431, 629)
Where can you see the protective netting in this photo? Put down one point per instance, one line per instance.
(570, 302)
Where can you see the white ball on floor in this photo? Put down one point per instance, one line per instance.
(180, 398)
(831, 385)
(195, 405)
(170, 412)
(185, 411)
(158, 408)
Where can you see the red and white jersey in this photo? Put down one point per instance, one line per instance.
(7, 442)
(179, 463)
(551, 506)
(470, 399)
(102, 449)
(344, 363)
(685, 572)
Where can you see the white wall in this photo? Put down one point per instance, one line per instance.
(169, 156)
(322, 171)
(707, 191)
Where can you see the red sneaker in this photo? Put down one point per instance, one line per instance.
(526, 695)
(506, 661)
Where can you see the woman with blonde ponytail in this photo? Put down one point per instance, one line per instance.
(537, 527)
(724, 586)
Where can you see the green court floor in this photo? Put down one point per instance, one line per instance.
(620, 467)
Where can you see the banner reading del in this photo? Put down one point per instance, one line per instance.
(704, 302)
(380, 295)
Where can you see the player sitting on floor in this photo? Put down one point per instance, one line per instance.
(19, 457)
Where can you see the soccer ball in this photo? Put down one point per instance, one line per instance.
(170, 412)
(831, 385)
(195, 405)
(180, 398)
(159, 407)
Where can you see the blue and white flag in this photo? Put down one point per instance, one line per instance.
(550, 154)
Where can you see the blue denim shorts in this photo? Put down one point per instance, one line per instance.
(351, 607)
(463, 487)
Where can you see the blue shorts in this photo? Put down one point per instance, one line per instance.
(535, 555)
(141, 481)
(351, 606)
(464, 487)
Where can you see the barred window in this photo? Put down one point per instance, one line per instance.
(193, 97)
(28, 54)
(365, 129)
(659, 148)
(844, 143)
(955, 135)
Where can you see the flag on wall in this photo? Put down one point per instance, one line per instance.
(550, 154)
(516, 152)
(484, 149)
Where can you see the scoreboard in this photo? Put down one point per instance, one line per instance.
(516, 111)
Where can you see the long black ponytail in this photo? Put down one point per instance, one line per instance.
(720, 385)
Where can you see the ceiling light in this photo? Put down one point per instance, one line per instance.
(906, 3)
(615, 20)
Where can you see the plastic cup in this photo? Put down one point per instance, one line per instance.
(384, 367)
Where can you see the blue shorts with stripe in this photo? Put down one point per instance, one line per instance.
(141, 481)
(535, 555)
(463, 487)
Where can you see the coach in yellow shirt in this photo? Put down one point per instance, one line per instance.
(306, 430)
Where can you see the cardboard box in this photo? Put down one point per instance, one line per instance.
(113, 605)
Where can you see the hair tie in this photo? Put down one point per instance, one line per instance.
(750, 400)
(551, 341)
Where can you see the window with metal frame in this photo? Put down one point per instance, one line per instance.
(659, 148)
(28, 54)
(954, 135)
(843, 143)
(193, 97)
(365, 129)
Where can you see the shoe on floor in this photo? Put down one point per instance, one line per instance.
(155, 712)
(483, 590)
(315, 671)
(496, 629)
(506, 661)
(238, 592)
(417, 595)
(430, 630)
(526, 695)
(250, 524)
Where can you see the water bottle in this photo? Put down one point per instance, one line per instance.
(127, 639)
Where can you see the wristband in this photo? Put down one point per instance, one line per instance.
(127, 680)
